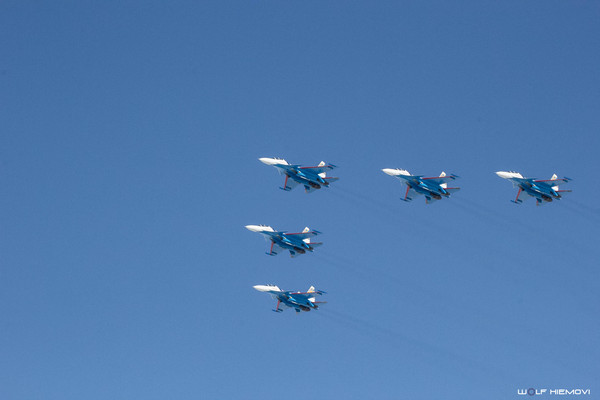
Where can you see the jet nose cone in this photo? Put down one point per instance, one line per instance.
(267, 160)
(261, 288)
(504, 174)
(390, 171)
(254, 228)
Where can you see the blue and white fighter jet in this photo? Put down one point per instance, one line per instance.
(433, 188)
(300, 301)
(312, 178)
(295, 243)
(543, 190)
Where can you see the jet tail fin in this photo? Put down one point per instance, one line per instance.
(322, 164)
(311, 290)
(554, 177)
(444, 185)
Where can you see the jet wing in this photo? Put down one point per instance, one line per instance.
(281, 306)
(296, 298)
(319, 168)
(275, 249)
(521, 197)
(429, 199)
(309, 189)
(307, 295)
(303, 235)
(553, 182)
(410, 194)
(289, 184)
(438, 180)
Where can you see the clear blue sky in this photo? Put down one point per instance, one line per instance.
(130, 133)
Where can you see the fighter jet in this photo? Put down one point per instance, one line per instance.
(295, 243)
(432, 188)
(300, 301)
(312, 178)
(543, 190)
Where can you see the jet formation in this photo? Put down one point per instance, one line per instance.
(432, 188)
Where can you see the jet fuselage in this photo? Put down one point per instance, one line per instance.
(300, 301)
